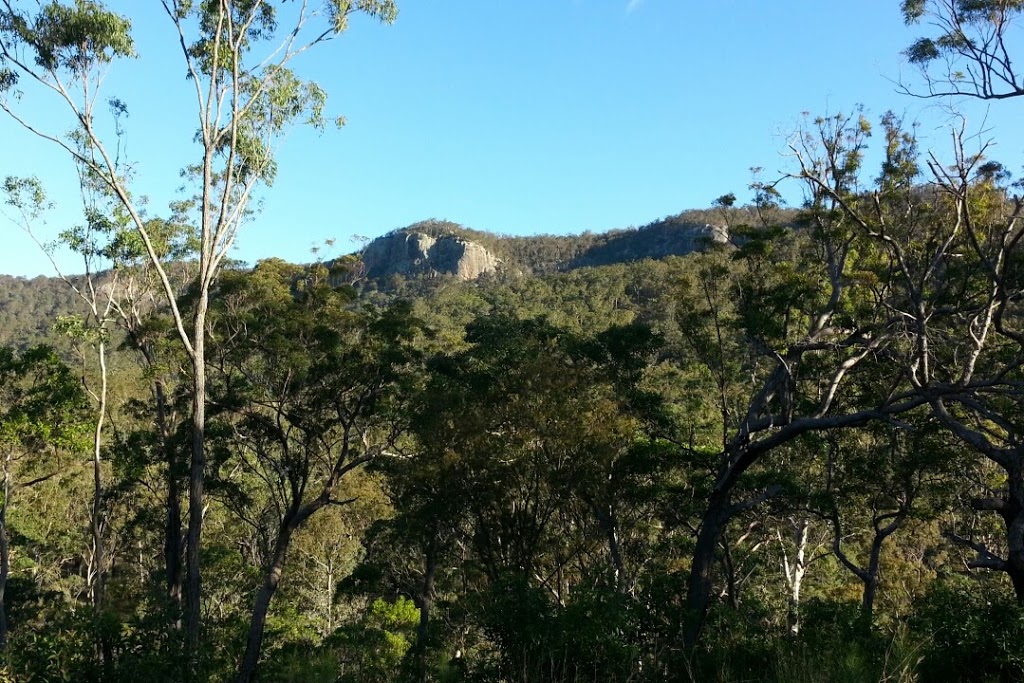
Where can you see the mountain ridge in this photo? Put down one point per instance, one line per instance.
(440, 247)
(429, 250)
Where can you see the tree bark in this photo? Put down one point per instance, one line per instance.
(732, 584)
(172, 523)
(271, 581)
(609, 525)
(868, 575)
(294, 519)
(5, 554)
(870, 578)
(196, 481)
(426, 603)
(795, 575)
(5, 566)
(1013, 517)
(698, 585)
(96, 578)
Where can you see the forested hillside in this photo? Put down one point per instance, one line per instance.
(677, 235)
(29, 307)
(752, 442)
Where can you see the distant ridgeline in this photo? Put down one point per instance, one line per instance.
(30, 306)
(441, 248)
(429, 251)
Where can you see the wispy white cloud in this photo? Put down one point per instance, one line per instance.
(633, 6)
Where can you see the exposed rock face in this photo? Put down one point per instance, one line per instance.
(414, 253)
(709, 234)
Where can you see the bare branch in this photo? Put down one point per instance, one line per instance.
(985, 558)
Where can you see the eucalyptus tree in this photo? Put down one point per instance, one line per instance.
(950, 240)
(307, 391)
(92, 330)
(877, 481)
(532, 459)
(498, 428)
(978, 341)
(805, 552)
(795, 333)
(113, 290)
(973, 52)
(237, 56)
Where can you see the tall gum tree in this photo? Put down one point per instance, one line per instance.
(950, 236)
(308, 391)
(112, 289)
(116, 287)
(978, 341)
(972, 55)
(878, 481)
(798, 339)
(237, 56)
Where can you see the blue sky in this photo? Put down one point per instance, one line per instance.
(536, 116)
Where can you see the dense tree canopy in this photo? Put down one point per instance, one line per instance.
(792, 454)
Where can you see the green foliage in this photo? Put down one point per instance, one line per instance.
(74, 37)
(62, 650)
(373, 649)
(832, 648)
(595, 637)
(973, 46)
(42, 401)
(518, 415)
(28, 307)
(61, 646)
(544, 441)
(973, 632)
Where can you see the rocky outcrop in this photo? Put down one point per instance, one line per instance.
(656, 241)
(411, 253)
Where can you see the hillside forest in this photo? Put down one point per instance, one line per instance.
(795, 453)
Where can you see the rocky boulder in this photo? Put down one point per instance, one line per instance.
(411, 253)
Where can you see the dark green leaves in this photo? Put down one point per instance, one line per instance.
(41, 400)
(922, 51)
(8, 77)
(912, 10)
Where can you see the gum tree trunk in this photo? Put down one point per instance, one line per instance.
(426, 603)
(196, 481)
(795, 575)
(271, 581)
(698, 585)
(5, 554)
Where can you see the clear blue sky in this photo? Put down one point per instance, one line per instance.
(537, 116)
